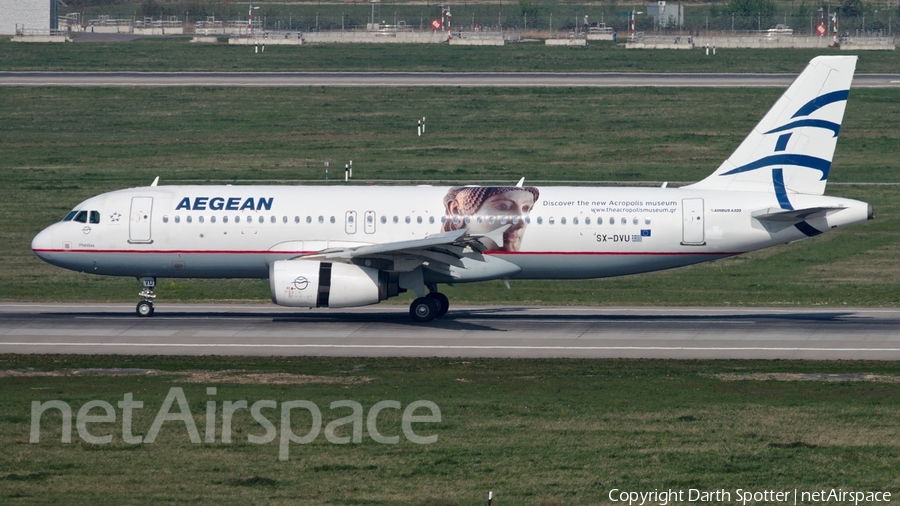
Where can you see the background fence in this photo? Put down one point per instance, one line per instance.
(875, 18)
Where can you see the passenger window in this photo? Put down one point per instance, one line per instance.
(479, 220)
(237, 219)
(443, 219)
(261, 220)
(491, 220)
(321, 219)
(503, 220)
(646, 221)
(587, 221)
(95, 216)
(178, 219)
(418, 219)
(431, 219)
(612, 221)
(309, 219)
(273, 220)
(81, 217)
(540, 220)
(212, 219)
(575, 220)
(224, 219)
(383, 220)
(350, 218)
(635, 221)
(551, 220)
(70, 215)
(456, 220)
(189, 219)
(624, 221)
(407, 220)
(396, 219)
(528, 219)
(165, 219)
(562, 221)
(200, 219)
(467, 220)
(296, 219)
(332, 219)
(283, 220)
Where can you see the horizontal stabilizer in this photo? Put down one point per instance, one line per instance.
(791, 216)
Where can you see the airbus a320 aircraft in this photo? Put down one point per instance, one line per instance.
(353, 246)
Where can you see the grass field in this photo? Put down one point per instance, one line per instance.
(60, 146)
(536, 432)
(166, 55)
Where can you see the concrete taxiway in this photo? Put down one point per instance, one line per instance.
(495, 331)
(391, 79)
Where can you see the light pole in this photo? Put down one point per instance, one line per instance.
(250, 21)
(633, 12)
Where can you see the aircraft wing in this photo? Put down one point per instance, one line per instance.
(457, 254)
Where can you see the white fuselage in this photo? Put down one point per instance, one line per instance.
(569, 233)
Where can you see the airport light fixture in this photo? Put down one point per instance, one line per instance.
(250, 20)
(633, 13)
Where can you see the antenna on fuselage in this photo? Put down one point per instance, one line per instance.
(155, 181)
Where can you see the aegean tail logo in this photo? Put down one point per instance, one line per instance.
(800, 119)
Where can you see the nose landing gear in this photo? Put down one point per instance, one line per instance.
(145, 307)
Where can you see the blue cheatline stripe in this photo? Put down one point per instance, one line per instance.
(815, 123)
(821, 101)
(811, 162)
(783, 139)
(781, 193)
(780, 190)
(807, 229)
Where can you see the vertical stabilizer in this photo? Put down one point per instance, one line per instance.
(791, 149)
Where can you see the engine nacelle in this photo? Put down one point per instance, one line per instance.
(310, 283)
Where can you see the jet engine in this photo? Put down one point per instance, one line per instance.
(309, 283)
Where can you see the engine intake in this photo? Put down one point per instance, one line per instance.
(309, 283)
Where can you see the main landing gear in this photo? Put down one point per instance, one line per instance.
(427, 308)
(145, 307)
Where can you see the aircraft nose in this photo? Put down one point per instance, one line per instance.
(42, 243)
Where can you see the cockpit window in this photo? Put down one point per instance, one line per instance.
(70, 215)
(95, 216)
(81, 217)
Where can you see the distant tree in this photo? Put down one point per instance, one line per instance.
(750, 14)
(851, 8)
(149, 8)
(765, 8)
(803, 10)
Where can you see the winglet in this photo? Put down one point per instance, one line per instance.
(155, 181)
(520, 183)
(495, 235)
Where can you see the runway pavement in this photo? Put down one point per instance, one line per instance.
(496, 331)
(351, 79)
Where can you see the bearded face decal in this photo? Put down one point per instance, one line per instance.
(483, 209)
